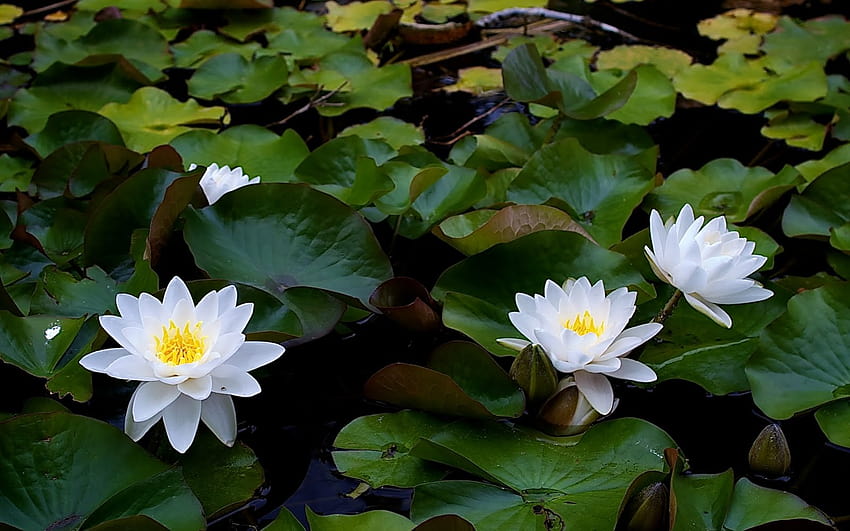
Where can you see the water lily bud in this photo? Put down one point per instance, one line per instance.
(533, 371)
(648, 509)
(769, 454)
(568, 411)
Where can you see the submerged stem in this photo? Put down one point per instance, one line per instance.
(668, 308)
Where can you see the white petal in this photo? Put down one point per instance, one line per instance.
(634, 370)
(219, 415)
(151, 398)
(99, 360)
(230, 380)
(150, 307)
(228, 344)
(236, 319)
(128, 307)
(525, 323)
(131, 368)
(226, 299)
(181, 422)
(713, 311)
(174, 293)
(197, 388)
(657, 233)
(597, 389)
(631, 338)
(511, 343)
(183, 313)
(603, 366)
(253, 354)
(207, 309)
(136, 430)
(115, 327)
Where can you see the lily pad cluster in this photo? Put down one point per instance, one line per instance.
(113, 115)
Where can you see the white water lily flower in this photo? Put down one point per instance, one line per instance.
(708, 264)
(191, 359)
(218, 181)
(584, 332)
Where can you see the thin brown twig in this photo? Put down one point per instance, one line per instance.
(63, 3)
(459, 130)
(314, 102)
(665, 312)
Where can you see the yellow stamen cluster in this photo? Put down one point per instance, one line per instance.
(584, 324)
(178, 346)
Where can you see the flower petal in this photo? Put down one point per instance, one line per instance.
(236, 319)
(181, 422)
(597, 389)
(226, 299)
(633, 370)
(137, 430)
(253, 354)
(219, 415)
(713, 311)
(151, 398)
(131, 368)
(174, 293)
(197, 388)
(230, 380)
(99, 360)
(128, 307)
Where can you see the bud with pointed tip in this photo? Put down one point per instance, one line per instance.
(770, 455)
(532, 370)
(648, 509)
(567, 412)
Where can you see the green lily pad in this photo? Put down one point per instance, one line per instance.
(70, 495)
(355, 81)
(63, 87)
(806, 83)
(834, 421)
(285, 521)
(653, 96)
(797, 43)
(355, 16)
(61, 294)
(508, 143)
(598, 191)
(821, 207)
(526, 79)
(74, 126)
(802, 359)
(300, 34)
(221, 477)
(152, 117)
(476, 80)
(130, 206)
(321, 242)
(812, 169)
(376, 449)
(742, 29)
(692, 347)
(667, 60)
(144, 47)
(701, 500)
(205, 44)
(346, 168)
(15, 173)
(707, 83)
(384, 520)
(753, 506)
(37, 344)
(255, 149)
(491, 6)
(9, 12)
(58, 227)
(479, 230)
(234, 79)
(78, 168)
(798, 130)
(722, 187)
(392, 131)
(478, 292)
(538, 479)
(462, 379)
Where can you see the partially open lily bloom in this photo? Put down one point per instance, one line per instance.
(584, 332)
(191, 359)
(218, 181)
(709, 264)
